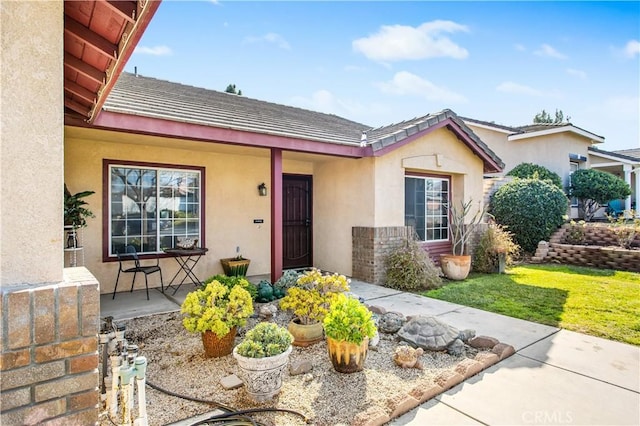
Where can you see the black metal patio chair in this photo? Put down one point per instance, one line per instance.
(125, 259)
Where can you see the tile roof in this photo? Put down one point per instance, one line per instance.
(492, 124)
(632, 155)
(150, 97)
(633, 152)
(388, 135)
(539, 127)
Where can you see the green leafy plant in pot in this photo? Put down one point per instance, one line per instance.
(262, 358)
(216, 311)
(309, 300)
(348, 326)
(75, 214)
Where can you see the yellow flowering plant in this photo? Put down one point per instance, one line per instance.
(309, 299)
(216, 308)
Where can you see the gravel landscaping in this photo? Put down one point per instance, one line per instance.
(382, 391)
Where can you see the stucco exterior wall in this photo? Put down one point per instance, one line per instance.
(31, 77)
(343, 198)
(231, 197)
(438, 153)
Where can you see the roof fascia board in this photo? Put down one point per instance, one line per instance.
(489, 165)
(594, 138)
(612, 157)
(484, 126)
(108, 120)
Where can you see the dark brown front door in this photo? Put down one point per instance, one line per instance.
(296, 222)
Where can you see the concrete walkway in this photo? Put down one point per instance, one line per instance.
(556, 377)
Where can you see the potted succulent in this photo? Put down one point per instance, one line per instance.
(262, 358)
(456, 266)
(309, 300)
(215, 311)
(348, 326)
(236, 266)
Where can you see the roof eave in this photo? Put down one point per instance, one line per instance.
(593, 138)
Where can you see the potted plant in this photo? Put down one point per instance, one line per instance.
(215, 311)
(235, 266)
(456, 266)
(75, 214)
(348, 325)
(309, 300)
(262, 358)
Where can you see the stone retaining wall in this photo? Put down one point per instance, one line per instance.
(49, 339)
(600, 249)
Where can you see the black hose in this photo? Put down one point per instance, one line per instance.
(230, 412)
(249, 411)
(191, 398)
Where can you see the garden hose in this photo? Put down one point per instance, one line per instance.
(230, 414)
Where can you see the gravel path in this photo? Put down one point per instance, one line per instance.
(177, 363)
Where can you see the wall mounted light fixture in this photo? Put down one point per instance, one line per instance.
(262, 190)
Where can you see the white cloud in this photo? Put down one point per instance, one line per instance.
(549, 51)
(519, 47)
(632, 48)
(273, 38)
(406, 83)
(155, 50)
(401, 42)
(518, 89)
(577, 73)
(324, 101)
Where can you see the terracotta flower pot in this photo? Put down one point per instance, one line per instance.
(455, 267)
(305, 335)
(347, 357)
(215, 347)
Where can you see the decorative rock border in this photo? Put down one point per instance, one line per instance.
(400, 404)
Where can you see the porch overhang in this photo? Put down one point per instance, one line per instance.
(138, 124)
(99, 38)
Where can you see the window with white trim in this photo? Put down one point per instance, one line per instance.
(426, 206)
(152, 207)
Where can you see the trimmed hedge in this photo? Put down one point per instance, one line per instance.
(533, 171)
(531, 209)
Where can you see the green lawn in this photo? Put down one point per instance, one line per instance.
(599, 302)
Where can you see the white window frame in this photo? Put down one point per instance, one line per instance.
(443, 214)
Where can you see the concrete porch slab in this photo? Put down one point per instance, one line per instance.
(434, 413)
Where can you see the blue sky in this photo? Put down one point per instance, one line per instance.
(379, 63)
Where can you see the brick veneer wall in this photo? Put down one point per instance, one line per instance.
(371, 246)
(49, 361)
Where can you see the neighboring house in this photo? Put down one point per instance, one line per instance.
(334, 186)
(560, 147)
(626, 165)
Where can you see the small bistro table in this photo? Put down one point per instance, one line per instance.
(187, 259)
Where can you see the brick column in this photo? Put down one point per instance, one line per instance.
(370, 248)
(49, 361)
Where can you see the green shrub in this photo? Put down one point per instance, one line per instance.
(495, 240)
(409, 267)
(531, 209)
(576, 232)
(535, 171)
(233, 281)
(624, 229)
(595, 188)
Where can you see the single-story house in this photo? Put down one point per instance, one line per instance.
(561, 147)
(171, 161)
(626, 165)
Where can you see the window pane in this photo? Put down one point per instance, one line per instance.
(152, 208)
(426, 201)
